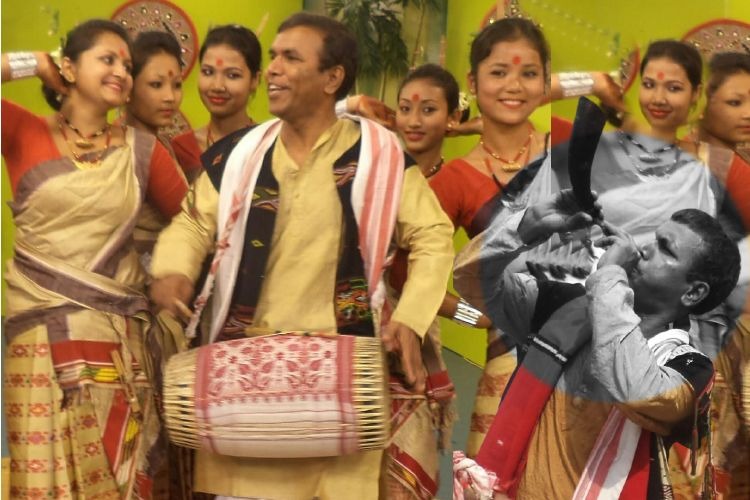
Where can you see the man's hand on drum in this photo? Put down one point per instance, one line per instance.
(402, 340)
(172, 293)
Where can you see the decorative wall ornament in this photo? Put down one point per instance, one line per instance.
(160, 15)
(719, 35)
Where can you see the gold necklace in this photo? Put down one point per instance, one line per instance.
(515, 164)
(84, 142)
(78, 157)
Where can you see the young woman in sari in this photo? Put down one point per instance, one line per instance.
(508, 75)
(724, 127)
(654, 161)
(230, 60)
(726, 118)
(80, 411)
(157, 83)
(428, 109)
(154, 100)
(421, 423)
(509, 60)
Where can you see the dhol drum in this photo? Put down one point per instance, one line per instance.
(288, 395)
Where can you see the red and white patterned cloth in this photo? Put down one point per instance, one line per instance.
(285, 395)
(375, 200)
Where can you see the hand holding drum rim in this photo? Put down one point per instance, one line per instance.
(172, 293)
(403, 341)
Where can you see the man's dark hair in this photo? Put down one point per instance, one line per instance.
(717, 263)
(339, 45)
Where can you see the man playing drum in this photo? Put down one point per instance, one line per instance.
(326, 197)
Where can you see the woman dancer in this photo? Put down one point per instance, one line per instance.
(508, 75)
(509, 60)
(230, 60)
(80, 414)
(427, 108)
(154, 100)
(726, 118)
(157, 82)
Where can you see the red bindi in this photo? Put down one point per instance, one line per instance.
(660, 75)
(170, 73)
(415, 97)
(219, 62)
(122, 53)
(516, 60)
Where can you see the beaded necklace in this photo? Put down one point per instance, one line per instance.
(649, 156)
(84, 142)
(96, 159)
(652, 170)
(434, 169)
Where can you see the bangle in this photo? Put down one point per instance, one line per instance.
(549, 348)
(466, 314)
(22, 64)
(576, 84)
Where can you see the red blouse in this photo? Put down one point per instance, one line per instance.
(188, 153)
(462, 191)
(27, 143)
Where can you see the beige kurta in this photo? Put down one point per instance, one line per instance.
(298, 293)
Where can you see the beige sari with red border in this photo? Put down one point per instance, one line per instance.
(79, 424)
